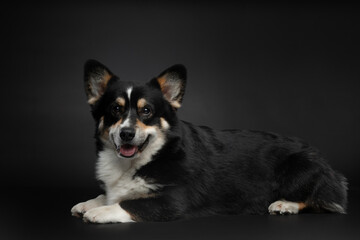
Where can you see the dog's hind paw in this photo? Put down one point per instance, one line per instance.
(285, 207)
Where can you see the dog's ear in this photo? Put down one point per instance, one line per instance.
(96, 78)
(172, 83)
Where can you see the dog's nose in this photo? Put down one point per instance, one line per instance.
(127, 134)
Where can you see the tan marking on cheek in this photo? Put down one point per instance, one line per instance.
(115, 125)
(164, 124)
(118, 123)
(141, 125)
(104, 132)
(141, 103)
(120, 101)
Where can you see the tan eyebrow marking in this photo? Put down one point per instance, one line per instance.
(141, 103)
(120, 101)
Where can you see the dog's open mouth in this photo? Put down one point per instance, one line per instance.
(128, 150)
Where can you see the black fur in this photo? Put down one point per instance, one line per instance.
(206, 171)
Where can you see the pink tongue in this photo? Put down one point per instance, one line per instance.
(128, 150)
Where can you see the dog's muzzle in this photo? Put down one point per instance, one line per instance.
(129, 146)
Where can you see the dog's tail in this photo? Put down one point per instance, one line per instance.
(323, 188)
(333, 207)
(336, 194)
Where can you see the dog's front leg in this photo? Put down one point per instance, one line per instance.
(158, 209)
(81, 208)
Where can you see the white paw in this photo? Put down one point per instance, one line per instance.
(79, 209)
(284, 207)
(107, 214)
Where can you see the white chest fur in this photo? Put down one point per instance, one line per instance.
(118, 177)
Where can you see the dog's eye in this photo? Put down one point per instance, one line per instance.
(146, 111)
(116, 110)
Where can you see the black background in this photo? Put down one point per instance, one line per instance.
(286, 68)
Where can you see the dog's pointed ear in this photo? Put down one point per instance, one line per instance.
(96, 78)
(172, 83)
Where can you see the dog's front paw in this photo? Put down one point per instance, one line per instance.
(79, 209)
(284, 207)
(107, 214)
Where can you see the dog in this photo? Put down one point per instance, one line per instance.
(155, 167)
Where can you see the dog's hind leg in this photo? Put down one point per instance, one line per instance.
(304, 177)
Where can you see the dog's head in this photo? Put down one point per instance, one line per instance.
(133, 119)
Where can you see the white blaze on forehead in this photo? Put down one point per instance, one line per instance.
(126, 123)
(128, 91)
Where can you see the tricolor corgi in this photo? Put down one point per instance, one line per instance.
(155, 167)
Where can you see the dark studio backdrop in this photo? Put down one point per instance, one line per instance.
(291, 69)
